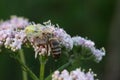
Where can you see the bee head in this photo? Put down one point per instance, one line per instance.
(47, 35)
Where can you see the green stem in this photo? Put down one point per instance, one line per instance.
(25, 68)
(42, 67)
(22, 57)
(60, 69)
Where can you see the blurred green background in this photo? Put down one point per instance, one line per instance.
(95, 19)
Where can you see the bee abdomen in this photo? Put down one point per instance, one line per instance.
(56, 52)
(55, 48)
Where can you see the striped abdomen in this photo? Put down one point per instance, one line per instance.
(55, 47)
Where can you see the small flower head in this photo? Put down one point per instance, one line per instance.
(19, 22)
(12, 32)
(65, 38)
(77, 74)
(98, 53)
(79, 41)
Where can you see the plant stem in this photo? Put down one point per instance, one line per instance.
(60, 69)
(42, 67)
(42, 71)
(32, 75)
(22, 57)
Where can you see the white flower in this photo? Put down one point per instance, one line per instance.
(16, 44)
(56, 75)
(79, 41)
(89, 43)
(12, 32)
(78, 74)
(65, 38)
(73, 75)
(98, 53)
(8, 42)
(82, 42)
(19, 22)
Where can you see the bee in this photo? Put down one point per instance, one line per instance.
(43, 36)
(53, 44)
(55, 47)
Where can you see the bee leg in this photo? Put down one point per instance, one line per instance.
(49, 50)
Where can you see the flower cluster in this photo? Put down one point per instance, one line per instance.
(65, 38)
(47, 39)
(40, 35)
(77, 74)
(12, 33)
(79, 41)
